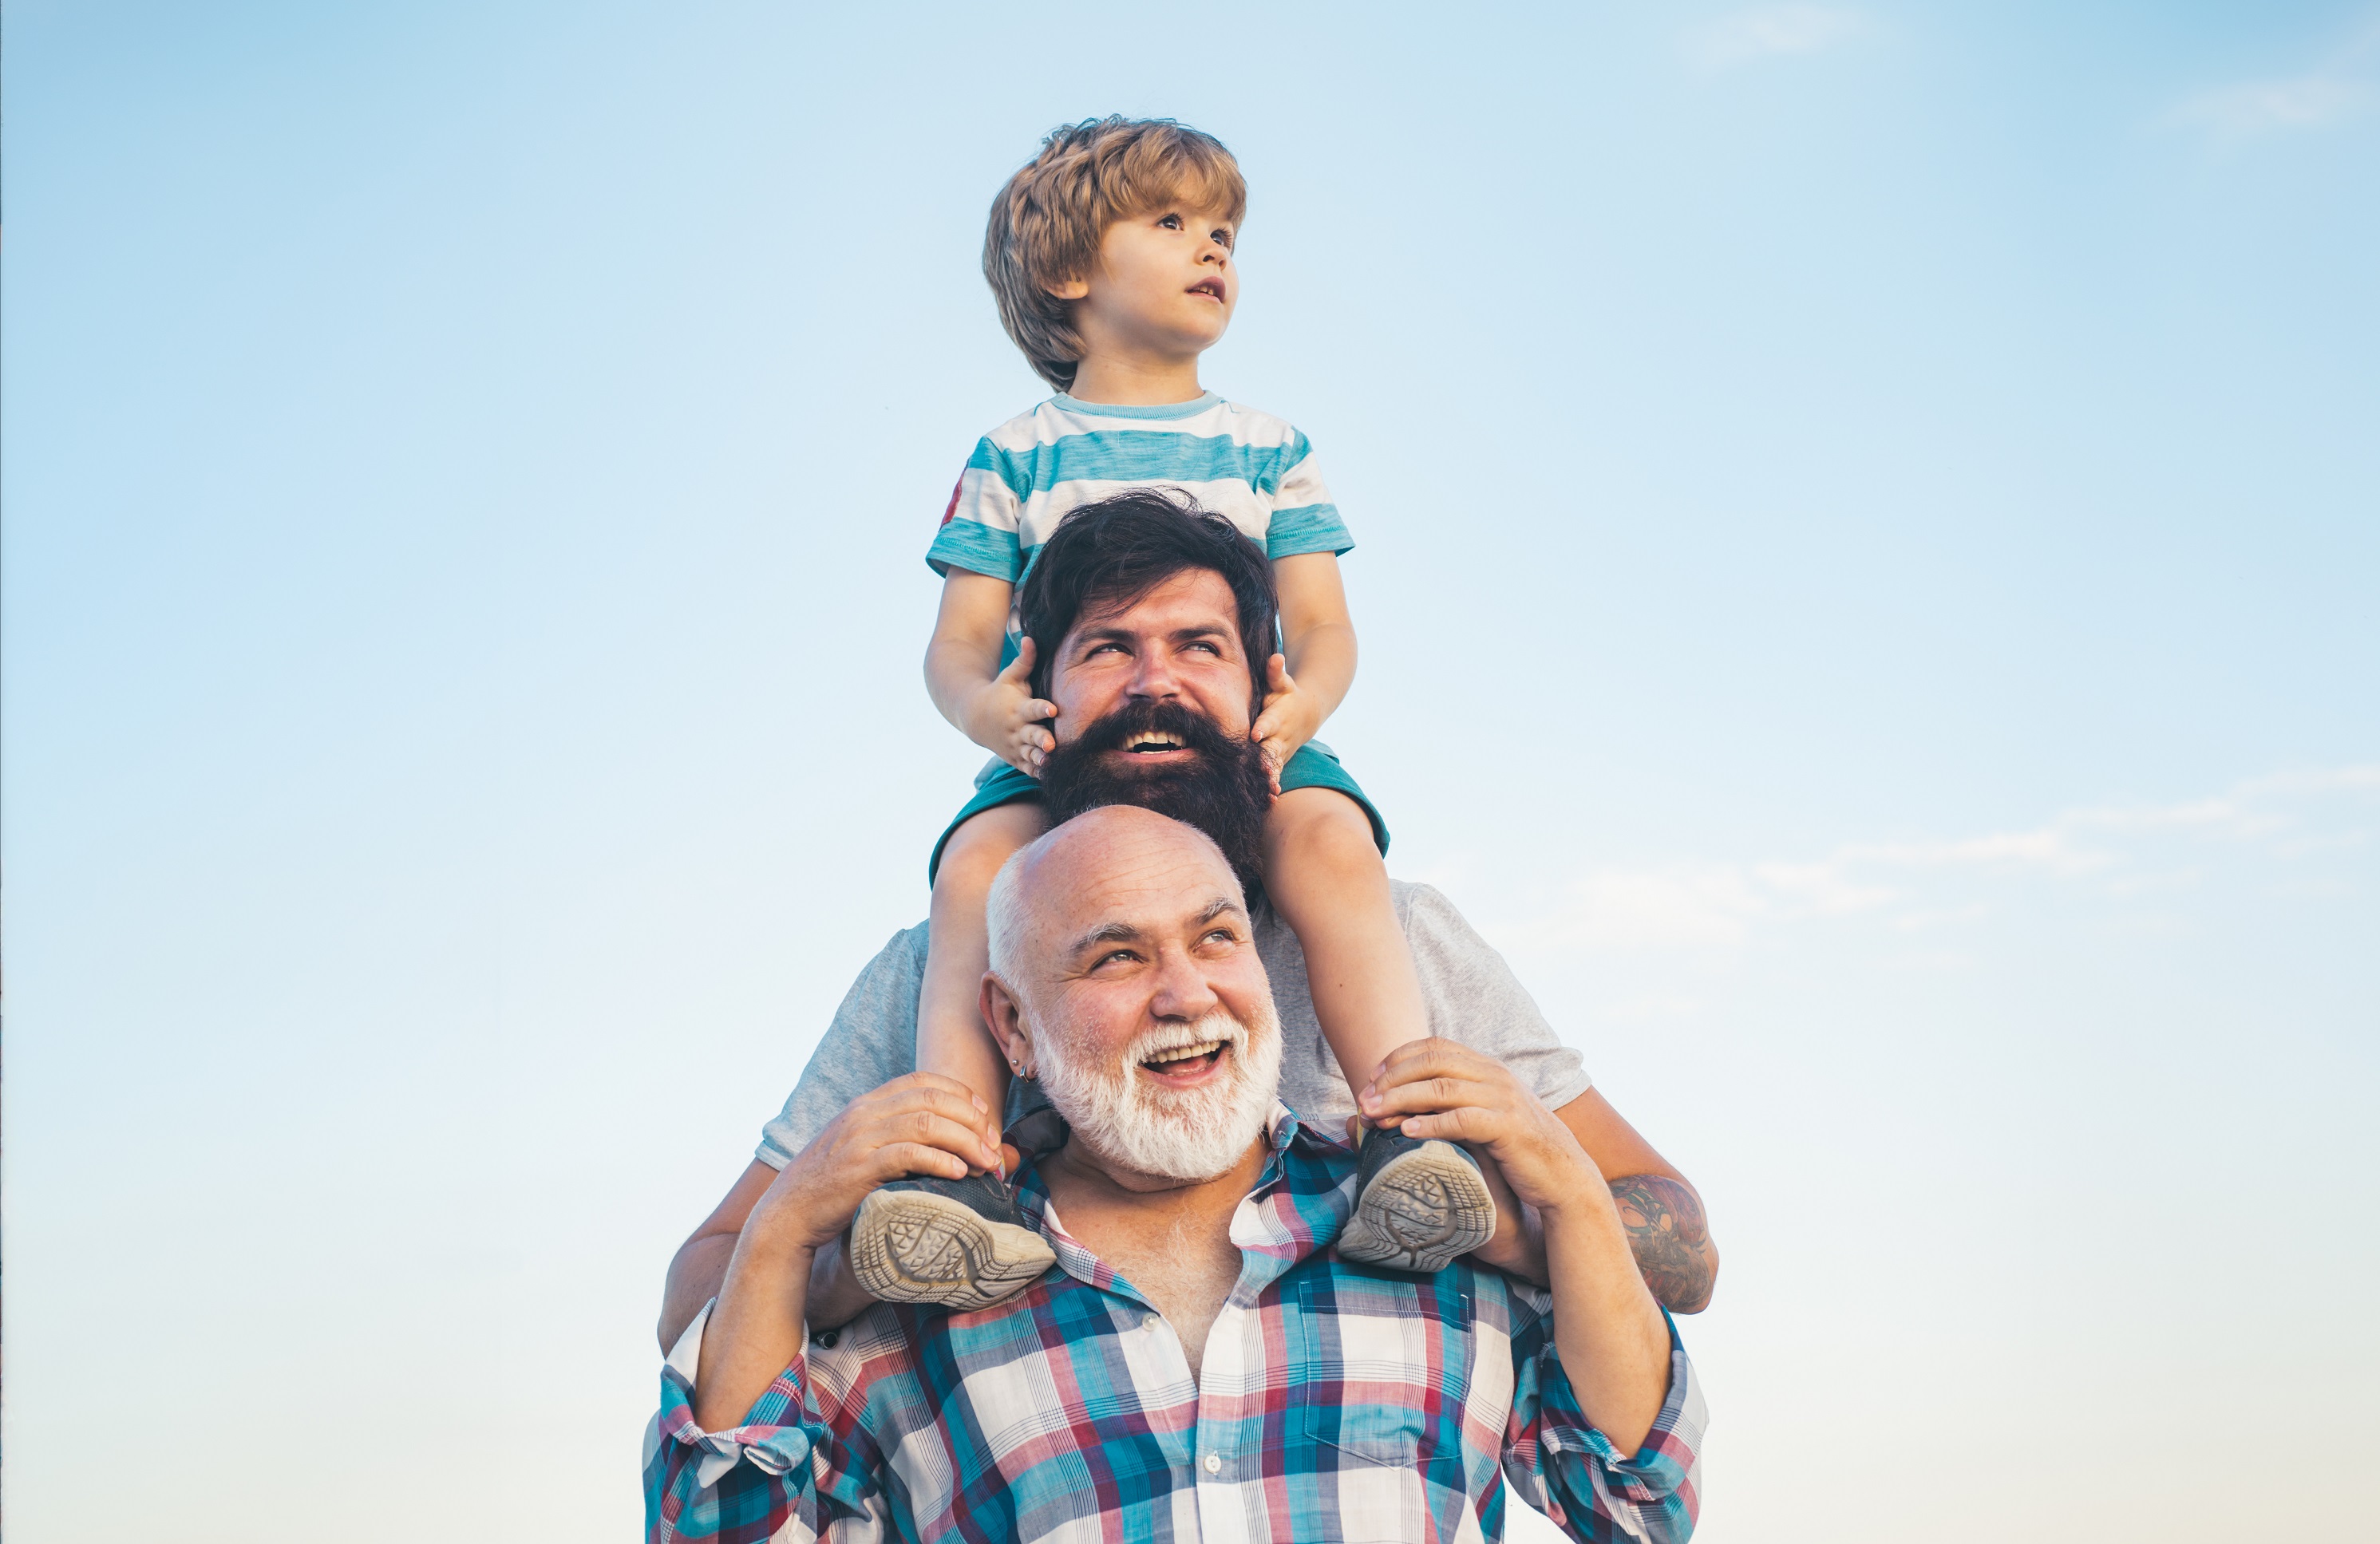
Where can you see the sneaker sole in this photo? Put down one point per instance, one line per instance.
(912, 1247)
(1422, 1212)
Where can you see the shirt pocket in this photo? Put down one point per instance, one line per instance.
(1384, 1365)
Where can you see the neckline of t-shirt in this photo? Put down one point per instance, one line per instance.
(1199, 404)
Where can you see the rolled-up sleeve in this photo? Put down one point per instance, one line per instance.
(739, 1486)
(1571, 1471)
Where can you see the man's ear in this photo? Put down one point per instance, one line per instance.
(1006, 1016)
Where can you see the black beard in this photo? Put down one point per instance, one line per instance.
(1223, 789)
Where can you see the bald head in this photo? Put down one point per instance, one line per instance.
(1077, 880)
(1124, 975)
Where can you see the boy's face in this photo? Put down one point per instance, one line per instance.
(1164, 284)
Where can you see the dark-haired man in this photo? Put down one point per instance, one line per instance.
(1180, 645)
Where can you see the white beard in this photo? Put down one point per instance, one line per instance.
(1190, 1135)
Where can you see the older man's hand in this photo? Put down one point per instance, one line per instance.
(1447, 1090)
(922, 1124)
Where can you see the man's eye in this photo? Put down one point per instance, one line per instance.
(1223, 935)
(1124, 955)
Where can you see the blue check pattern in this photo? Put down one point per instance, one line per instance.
(1335, 1400)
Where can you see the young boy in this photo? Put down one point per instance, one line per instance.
(1111, 259)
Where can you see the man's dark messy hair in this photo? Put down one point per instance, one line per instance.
(1107, 554)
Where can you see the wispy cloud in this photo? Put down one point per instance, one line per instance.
(1766, 32)
(2260, 107)
(2339, 89)
(2123, 850)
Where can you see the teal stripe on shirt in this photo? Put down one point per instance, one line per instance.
(1307, 528)
(1137, 455)
(976, 548)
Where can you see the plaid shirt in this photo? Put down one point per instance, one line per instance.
(1335, 1400)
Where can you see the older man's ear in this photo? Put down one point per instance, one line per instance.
(1005, 1015)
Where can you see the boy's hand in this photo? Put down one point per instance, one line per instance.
(1007, 719)
(1289, 719)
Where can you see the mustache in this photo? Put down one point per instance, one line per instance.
(1221, 786)
(1194, 731)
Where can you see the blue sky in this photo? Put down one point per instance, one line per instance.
(1868, 515)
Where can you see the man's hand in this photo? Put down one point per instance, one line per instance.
(1290, 718)
(923, 1124)
(1445, 1089)
(920, 1124)
(1614, 1345)
(1006, 718)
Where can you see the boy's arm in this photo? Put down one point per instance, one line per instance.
(1305, 684)
(991, 706)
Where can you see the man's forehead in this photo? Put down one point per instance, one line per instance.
(1119, 875)
(1193, 597)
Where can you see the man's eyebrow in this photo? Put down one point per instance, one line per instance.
(1220, 905)
(1106, 933)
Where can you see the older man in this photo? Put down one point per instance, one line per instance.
(1201, 1364)
(1152, 612)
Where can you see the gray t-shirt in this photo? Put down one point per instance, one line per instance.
(1470, 993)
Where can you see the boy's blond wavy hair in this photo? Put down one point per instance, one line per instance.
(1047, 222)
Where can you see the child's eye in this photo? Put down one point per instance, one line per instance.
(1221, 238)
(1169, 223)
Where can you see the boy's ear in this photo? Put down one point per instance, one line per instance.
(1068, 289)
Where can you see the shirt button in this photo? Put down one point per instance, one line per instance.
(1214, 1463)
(1150, 1323)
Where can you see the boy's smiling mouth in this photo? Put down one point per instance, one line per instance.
(1213, 287)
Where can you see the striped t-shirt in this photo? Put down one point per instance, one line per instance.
(1251, 467)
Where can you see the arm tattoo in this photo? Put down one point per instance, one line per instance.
(1666, 1231)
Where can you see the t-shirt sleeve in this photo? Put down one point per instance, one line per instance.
(1303, 518)
(979, 528)
(1472, 996)
(872, 1041)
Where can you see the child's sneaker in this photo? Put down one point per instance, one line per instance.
(960, 1243)
(1420, 1204)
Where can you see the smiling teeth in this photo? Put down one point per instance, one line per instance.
(1150, 737)
(1184, 1053)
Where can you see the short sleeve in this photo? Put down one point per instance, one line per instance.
(872, 1041)
(980, 527)
(1303, 517)
(1472, 996)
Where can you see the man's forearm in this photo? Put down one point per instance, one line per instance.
(696, 1275)
(754, 1334)
(1669, 1238)
(1614, 1346)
